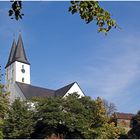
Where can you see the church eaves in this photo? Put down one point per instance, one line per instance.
(17, 53)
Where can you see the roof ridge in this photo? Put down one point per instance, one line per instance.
(66, 86)
(62, 91)
(124, 113)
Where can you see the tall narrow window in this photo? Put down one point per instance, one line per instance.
(23, 70)
(22, 80)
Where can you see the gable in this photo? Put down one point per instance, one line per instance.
(75, 88)
(62, 91)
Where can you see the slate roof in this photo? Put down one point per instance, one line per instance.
(62, 91)
(127, 116)
(30, 91)
(11, 54)
(17, 53)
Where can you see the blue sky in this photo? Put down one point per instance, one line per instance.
(62, 48)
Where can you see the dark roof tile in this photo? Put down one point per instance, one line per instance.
(30, 91)
(11, 53)
(62, 91)
(17, 53)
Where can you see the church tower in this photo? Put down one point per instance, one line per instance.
(17, 67)
(18, 78)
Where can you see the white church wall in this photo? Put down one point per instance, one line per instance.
(73, 89)
(16, 93)
(10, 77)
(19, 74)
(19, 93)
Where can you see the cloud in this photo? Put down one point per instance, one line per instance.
(112, 73)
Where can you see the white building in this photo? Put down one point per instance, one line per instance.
(18, 77)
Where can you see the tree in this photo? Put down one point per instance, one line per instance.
(48, 116)
(4, 105)
(134, 133)
(88, 10)
(73, 117)
(110, 107)
(92, 11)
(4, 102)
(20, 121)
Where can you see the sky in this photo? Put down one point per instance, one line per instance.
(62, 49)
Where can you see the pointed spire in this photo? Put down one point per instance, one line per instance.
(11, 53)
(20, 52)
(17, 53)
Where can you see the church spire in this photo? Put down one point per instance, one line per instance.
(17, 53)
(20, 52)
(11, 53)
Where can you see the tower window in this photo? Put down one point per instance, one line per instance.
(22, 80)
(23, 70)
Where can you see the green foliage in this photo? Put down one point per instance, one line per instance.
(108, 131)
(20, 121)
(15, 11)
(73, 117)
(4, 106)
(88, 10)
(134, 133)
(1, 130)
(70, 117)
(123, 133)
(92, 11)
(4, 102)
(49, 115)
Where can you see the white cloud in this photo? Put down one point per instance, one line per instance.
(115, 71)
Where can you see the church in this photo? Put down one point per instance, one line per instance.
(17, 78)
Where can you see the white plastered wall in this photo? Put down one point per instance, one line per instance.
(19, 75)
(16, 93)
(13, 75)
(73, 89)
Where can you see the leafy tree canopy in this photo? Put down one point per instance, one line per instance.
(73, 117)
(4, 102)
(19, 122)
(70, 117)
(89, 11)
(4, 105)
(134, 133)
